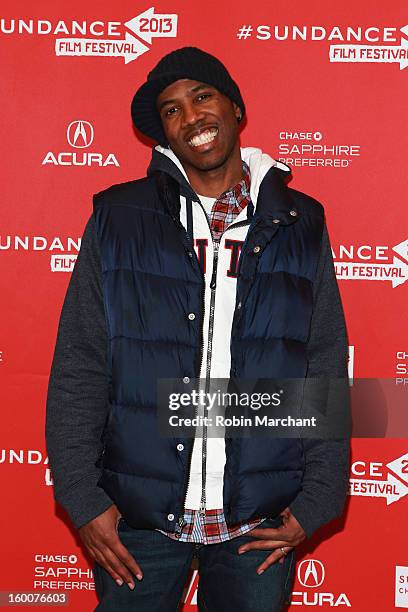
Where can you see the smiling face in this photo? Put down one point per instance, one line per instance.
(200, 124)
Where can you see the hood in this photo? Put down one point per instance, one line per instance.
(259, 163)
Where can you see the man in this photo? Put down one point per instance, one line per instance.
(210, 266)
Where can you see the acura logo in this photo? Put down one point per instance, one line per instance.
(311, 573)
(80, 134)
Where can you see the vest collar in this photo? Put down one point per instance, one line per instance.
(269, 193)
(275, 204)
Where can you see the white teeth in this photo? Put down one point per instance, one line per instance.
(203, 138)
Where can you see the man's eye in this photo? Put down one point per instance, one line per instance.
(203, 96)
(169, 111)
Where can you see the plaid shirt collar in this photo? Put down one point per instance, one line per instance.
(239, 195)
(230, 203)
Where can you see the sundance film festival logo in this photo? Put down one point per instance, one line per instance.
(375, 47)
(311, 575)
(372, 263)
(11, 456)
(99, 38)
(63, 261)
(374, 479)
(80, 136)
(373, 53)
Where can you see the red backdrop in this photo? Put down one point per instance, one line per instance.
(325, 89)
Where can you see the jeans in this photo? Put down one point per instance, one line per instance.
(228, 582)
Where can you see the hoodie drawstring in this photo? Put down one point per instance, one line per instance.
(189, 212)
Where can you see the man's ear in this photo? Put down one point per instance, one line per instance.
(238, 112)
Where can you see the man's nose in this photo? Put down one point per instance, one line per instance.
(192, 114)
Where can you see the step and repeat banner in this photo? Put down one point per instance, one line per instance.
(325, 86)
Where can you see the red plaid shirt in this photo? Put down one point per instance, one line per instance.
(229, 204)
(212, 528)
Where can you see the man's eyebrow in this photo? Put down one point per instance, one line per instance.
(191, 91)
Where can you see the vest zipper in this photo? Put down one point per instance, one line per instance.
(213, 284)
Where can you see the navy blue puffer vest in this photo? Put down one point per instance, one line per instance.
(150, 283)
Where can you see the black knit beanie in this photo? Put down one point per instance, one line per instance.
(185, 63)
